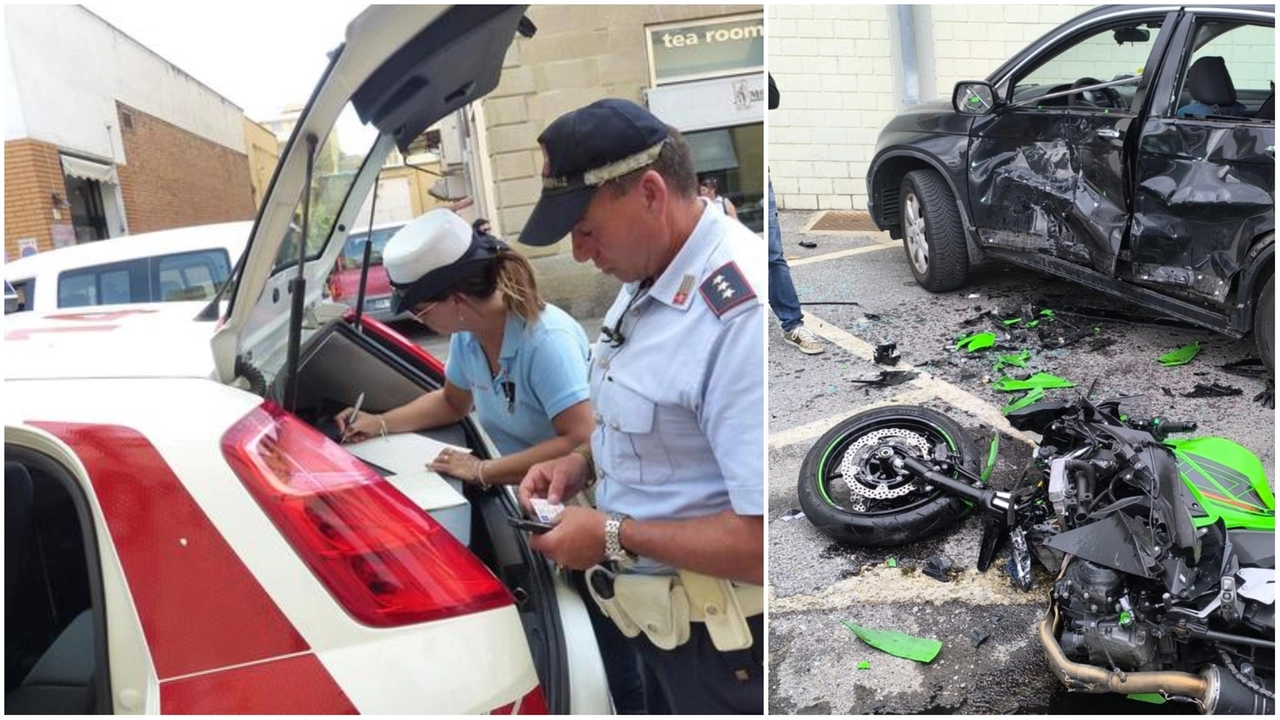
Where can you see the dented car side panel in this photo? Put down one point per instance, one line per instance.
(1205, 193)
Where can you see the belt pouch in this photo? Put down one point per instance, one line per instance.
(658, 605)
(715, 600)
(610, 606)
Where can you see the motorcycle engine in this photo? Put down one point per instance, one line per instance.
(1100, 627)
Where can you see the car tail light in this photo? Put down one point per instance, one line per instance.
(384, 560)
(533, 703)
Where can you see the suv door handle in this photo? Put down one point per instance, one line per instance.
(1107, 133)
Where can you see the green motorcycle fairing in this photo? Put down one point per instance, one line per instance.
(1228, 482)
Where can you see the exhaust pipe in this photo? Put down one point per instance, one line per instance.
(1215, 691)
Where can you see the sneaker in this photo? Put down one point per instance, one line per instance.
(803, 340)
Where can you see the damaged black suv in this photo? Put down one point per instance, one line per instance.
(1131, 150)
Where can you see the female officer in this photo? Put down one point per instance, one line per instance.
(520, 361)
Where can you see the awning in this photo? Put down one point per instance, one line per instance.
(712, 150)
(88, 170)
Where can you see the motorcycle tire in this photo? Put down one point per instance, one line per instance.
(828, 503)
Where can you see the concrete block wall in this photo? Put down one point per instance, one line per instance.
(175, 178)
(839, 70)
(1249, 54)
(32, 174)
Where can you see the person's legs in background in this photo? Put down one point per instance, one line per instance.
(782, 292)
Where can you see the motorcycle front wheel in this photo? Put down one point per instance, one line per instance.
(850, 490)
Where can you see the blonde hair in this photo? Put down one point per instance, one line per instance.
(519, 287)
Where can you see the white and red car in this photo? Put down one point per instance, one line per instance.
(182, 531)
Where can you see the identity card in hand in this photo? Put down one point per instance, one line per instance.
(546, 512)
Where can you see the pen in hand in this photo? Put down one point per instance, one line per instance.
(351, 419)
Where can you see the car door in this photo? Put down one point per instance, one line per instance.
(1205, 183)
(1047, 172)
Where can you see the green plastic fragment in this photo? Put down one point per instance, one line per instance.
(1012, 321)
(891, 562)
(1046, 312)
(1032, 397)
(1181, 356)
(991, 456)
(1032, 324)
(1097, 330)
(897, 644)
(1019, 360)
(1126, 618)
(1043, 381)
(864, 665)
(977, 341)
(1153, 698)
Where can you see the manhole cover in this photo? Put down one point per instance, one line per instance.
(844, 221)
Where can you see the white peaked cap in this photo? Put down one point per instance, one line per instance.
(434, 240)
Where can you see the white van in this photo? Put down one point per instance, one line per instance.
(188, 263)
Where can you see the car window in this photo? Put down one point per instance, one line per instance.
(1243, 53)
(1114, 52)
(192, 276)
(78, 289)
(353, 251)
(23, 289)
(336, 167)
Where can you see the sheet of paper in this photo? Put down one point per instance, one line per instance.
(427, 489)
(402, 453)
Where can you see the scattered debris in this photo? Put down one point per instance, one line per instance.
(1055, 338)
(977, 341)
(1248, 367)
(991, 456)
(871, 316)
(1181, 356)
(1034, 396)
(864, 665)
(807, 244)
(1167, 392)
(978, 636)
(891, 562)
(1213, 390)
(897, 644)
(974, 295)
(1018, 360)
(887, 354)
(1101, 343)
(792, 514)
(887, 378)
(1268, 395)
(850, 572)
(937, 567)
(1041, 380)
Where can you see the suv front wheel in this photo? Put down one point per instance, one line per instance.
(931, 232)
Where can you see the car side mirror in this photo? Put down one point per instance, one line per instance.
(974, 97)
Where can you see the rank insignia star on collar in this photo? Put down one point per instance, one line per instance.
(725, 289)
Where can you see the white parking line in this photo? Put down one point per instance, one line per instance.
(839, 254)
(924, 387)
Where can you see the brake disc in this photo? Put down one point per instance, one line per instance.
(864, 485)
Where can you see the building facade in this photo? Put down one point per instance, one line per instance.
(104, 138)
(698, 67)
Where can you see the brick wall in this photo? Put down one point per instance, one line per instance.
(32, 173)
(174, 178)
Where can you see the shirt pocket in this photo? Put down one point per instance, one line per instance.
(633, 452)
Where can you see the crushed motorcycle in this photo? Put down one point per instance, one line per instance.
(1161, 551)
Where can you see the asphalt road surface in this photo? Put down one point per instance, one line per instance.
(858, 292)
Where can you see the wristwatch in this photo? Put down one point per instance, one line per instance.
(613, 550)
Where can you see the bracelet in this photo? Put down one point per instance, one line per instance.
(584, 451)
(382, 423)
(480, 473)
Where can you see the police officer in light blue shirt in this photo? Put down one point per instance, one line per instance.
(677, 388)
(521, 363)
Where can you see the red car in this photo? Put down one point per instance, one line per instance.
(344, 283)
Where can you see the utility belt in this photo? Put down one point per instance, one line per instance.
(663, 606)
